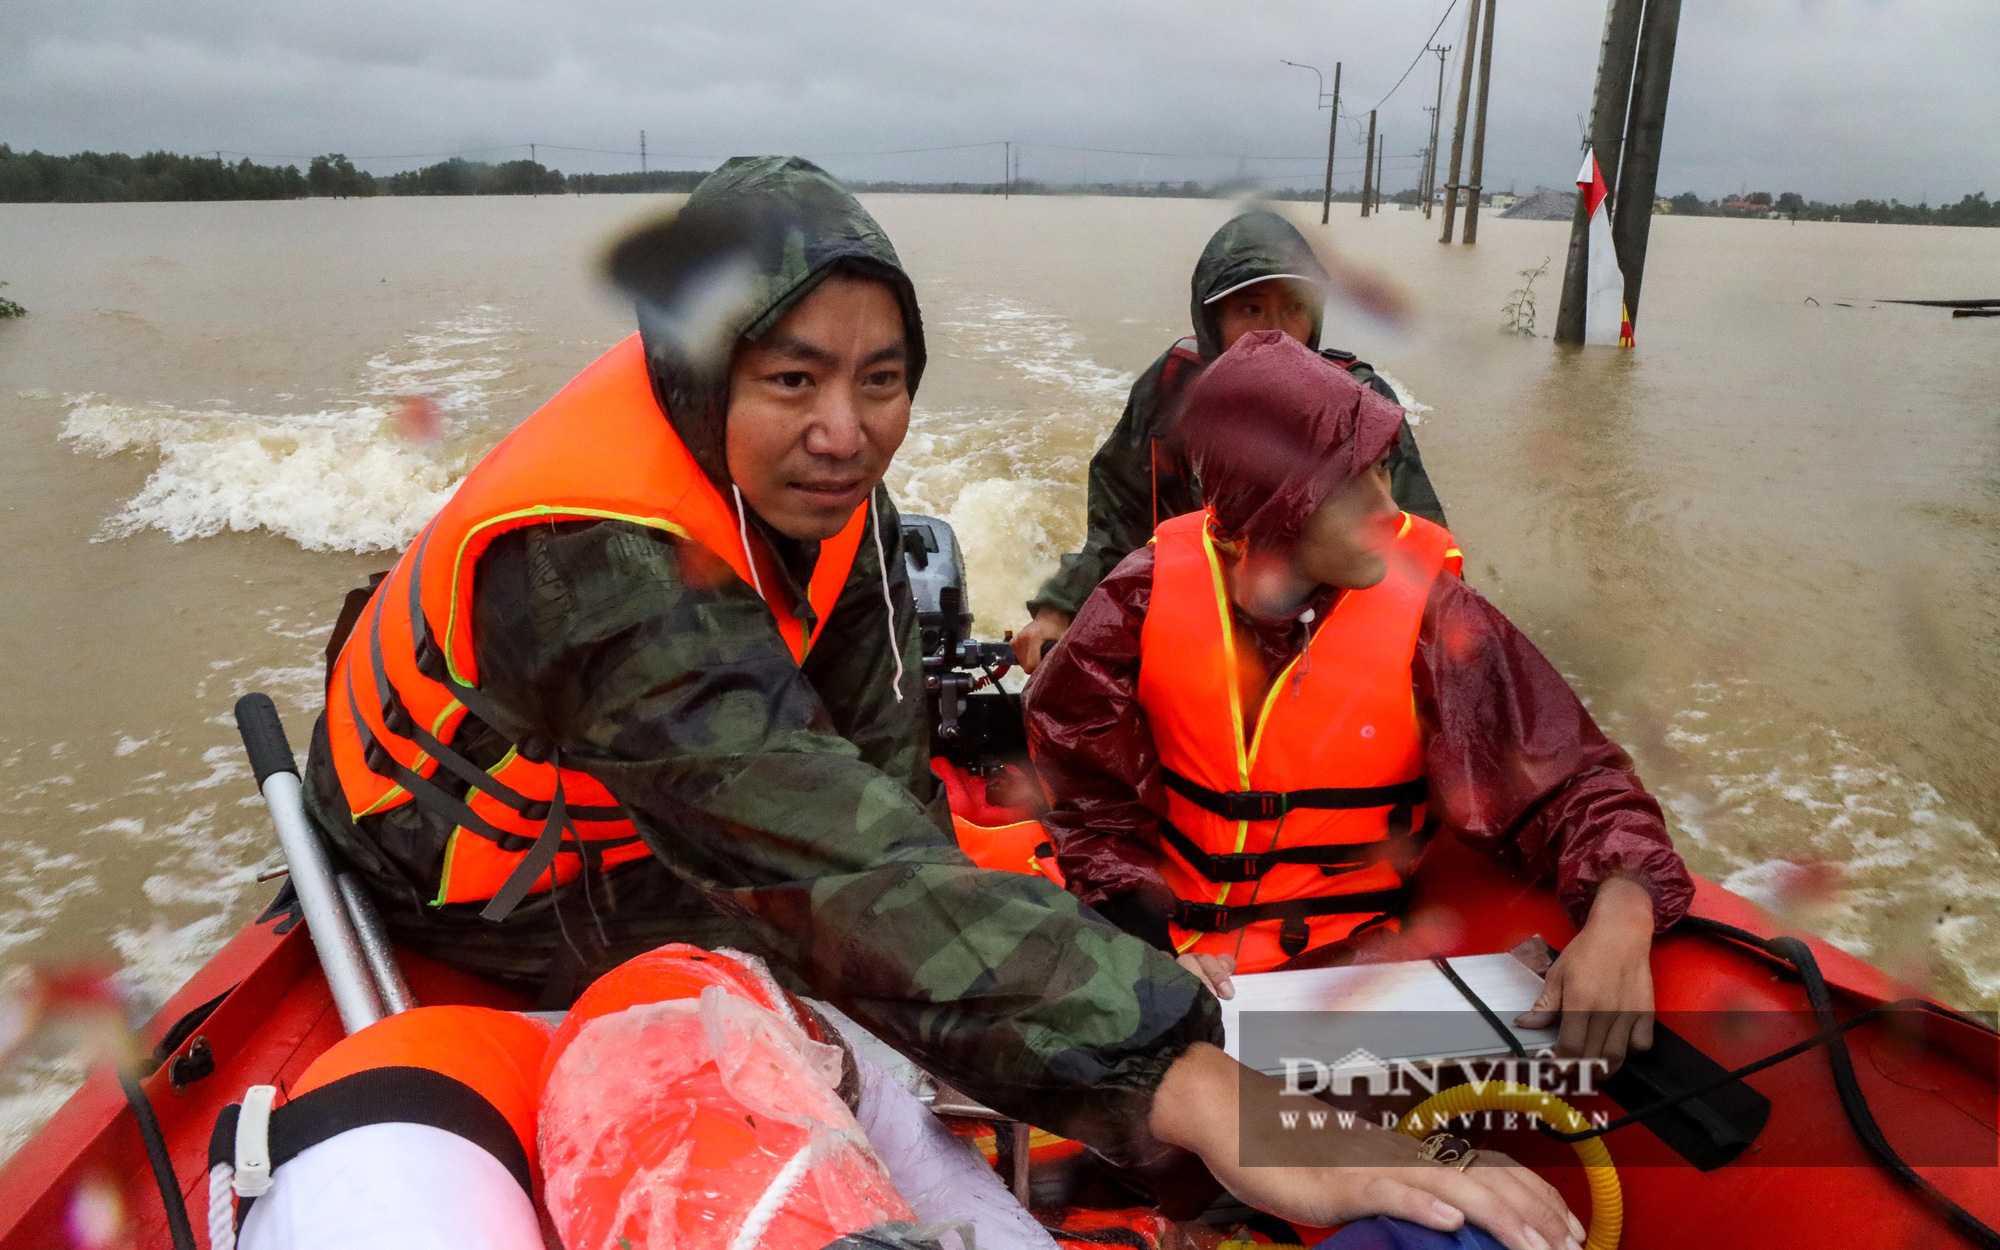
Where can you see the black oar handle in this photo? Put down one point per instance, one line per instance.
(264, 737)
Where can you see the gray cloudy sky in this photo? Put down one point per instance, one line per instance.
(1833, 98)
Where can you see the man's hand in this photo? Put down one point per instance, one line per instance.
(1378, 1173)
(1602, 987)
(1047, 626)
(1214, 971)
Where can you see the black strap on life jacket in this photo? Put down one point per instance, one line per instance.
(377, 1096)
(351, 609)
(1222, 918)
(1273, 804)
(557, 816)
(1333, 859)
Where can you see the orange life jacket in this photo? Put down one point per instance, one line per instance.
(1303, 829)
(601, 449)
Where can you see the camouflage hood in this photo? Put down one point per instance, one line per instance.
(1250, 247)
(755, 238)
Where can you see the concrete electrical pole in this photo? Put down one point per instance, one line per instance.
(1368, 165)
(1332, 133)
(1639, 172)
(1381, 160)
(1606, 138)
(1471, 235)
(1437, 117)
(1458, 130)
(642, 151)
(1007, 172)
(1323, 100)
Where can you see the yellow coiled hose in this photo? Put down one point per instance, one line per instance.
(1607, 1200)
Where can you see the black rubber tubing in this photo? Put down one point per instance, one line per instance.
(264, 737)
(156, 1153)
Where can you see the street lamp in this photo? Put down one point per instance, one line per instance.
(1325, 100)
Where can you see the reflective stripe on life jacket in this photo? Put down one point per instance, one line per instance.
(406, 679)
(1298, 828)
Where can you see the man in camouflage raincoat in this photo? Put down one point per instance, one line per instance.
(788, 804)
(1139, 476)
(790, 808)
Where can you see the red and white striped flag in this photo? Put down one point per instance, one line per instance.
(1604, 319)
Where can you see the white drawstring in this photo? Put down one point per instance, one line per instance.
(773, 1199)
(221, 1207)
(888, 604)
(743, 528)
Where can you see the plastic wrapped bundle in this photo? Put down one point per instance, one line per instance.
(701, 1123)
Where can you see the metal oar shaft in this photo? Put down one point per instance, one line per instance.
(333, 934)
(375, 945)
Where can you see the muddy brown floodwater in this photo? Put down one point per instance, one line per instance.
(1765, 544)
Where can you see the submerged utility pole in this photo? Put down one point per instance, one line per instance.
(1437, 117)
(1007, 171)
(1332, 133)
(1471, 234)
(1323, 100)
(1458, 130)
(1381, 160)
(1606, 139)
(1639, 171)
(1368, 165)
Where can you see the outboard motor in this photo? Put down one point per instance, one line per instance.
(978, 731)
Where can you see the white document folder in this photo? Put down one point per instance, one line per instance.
(1394, 1011)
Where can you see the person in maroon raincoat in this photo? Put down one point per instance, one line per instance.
(1291, 454)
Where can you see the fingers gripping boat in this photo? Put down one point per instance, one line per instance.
(1883, 1134)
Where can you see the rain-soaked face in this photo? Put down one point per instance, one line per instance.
(1273, 304)
(818, 407)
(1346, 541)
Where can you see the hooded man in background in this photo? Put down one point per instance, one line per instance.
(1257, 273)
(653, 674)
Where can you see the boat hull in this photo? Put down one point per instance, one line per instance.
(1936, 1090)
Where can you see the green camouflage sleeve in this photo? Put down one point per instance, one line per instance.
(1408, 483)
(735, 764)
(1119, 508)
(853, 667)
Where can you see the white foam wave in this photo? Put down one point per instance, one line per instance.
(1413, 407)
(1832, 839)
(341, 478)
(1041, 346)
(1011, 480)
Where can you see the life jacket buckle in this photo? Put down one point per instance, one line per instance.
(1235, 868)
(252, 1177)
(1202, 917)
(1254, 805)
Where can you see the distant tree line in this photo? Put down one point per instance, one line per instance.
(86, 177)
(38, 177)
(1973, 210)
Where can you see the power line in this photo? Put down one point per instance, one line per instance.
(1420, 53)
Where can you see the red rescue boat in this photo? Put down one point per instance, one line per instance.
(260, 1011)
(1924, 1077)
